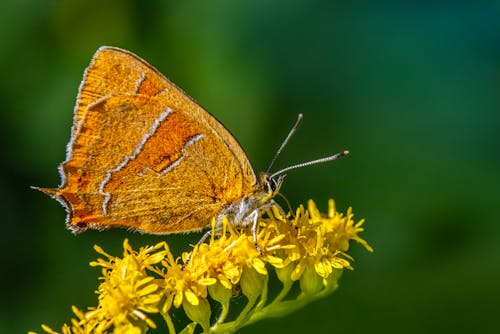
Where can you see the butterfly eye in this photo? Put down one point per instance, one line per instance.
(271, 186)
(274, 184)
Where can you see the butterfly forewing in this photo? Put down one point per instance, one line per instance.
(144, 155)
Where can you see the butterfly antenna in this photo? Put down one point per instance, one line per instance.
(285, 142)
(309, 163)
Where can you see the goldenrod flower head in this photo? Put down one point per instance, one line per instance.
(128, 293)
(184, 285)
(308, 247)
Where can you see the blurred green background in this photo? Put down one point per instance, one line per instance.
(410, 88)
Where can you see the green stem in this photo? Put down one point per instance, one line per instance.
(263, 296)
(232, 326)
(170, 324)
(222, 317)
(280, 308)
(244, 313)
(283, 293)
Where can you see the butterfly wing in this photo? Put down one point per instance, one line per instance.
(144, 155)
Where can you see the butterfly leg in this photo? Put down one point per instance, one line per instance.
(254, 217)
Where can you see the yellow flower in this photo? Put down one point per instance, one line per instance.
(308, 247)
(128, 293)
(185, 283)
(80, 325)
(314, 239)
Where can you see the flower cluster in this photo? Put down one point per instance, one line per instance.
(306, 247)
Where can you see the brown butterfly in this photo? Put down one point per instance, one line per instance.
(145, 156)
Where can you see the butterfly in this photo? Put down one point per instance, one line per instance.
(145, 156)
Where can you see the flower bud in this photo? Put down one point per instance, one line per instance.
(310, 282)
(220, 293)
(252, 283)
(284, 274)
(198, 313)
